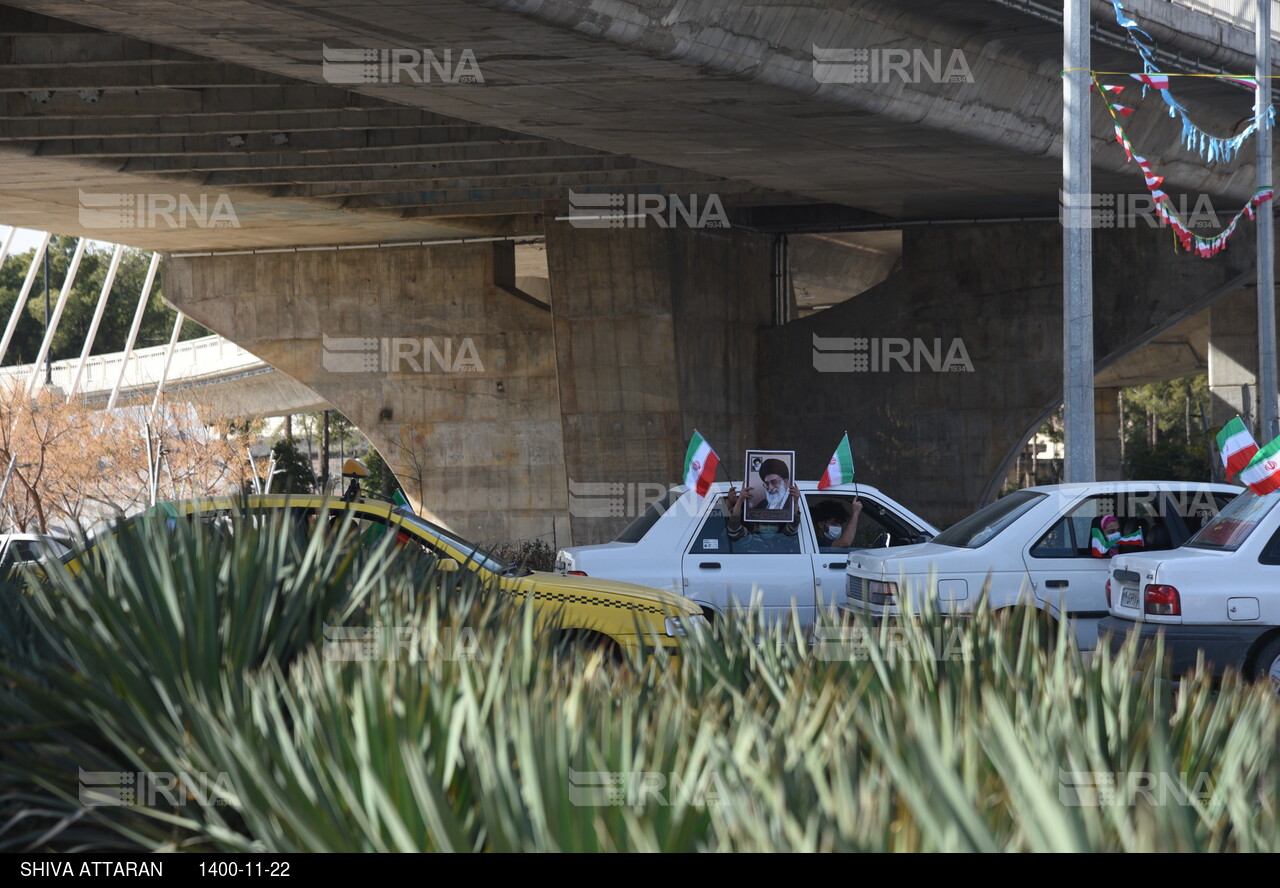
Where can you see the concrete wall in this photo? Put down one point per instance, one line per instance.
(655, 332)
(476, 443)
(943, 441)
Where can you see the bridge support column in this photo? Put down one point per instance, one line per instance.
(1233, 359)
(1106, 442)
(450, 375)
(655, 335)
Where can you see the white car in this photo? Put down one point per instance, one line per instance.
(26, 548)
(1220, 593)
(681, 543)
(1032, 546)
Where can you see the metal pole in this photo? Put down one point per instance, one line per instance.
(133, 330)
(47, 311)
(1268, 418)
(51, 323)
(146, 434)
(97, 319)
(21, 304)
(168, 359)
(324, 465)
(1077, 248)
(8, 473)
(8, 242)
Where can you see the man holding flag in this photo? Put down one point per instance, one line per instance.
(837, 526)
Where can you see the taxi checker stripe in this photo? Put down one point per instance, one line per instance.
(568, 598)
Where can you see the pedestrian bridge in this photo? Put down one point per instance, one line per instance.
(212, 372)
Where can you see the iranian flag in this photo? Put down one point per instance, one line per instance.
(1131, 539)
(700, 463)
(840, 468)
(1263, 472)
(1159, 81)
(1098, 543)
(1236, 446)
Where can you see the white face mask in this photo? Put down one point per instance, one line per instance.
(834, 531)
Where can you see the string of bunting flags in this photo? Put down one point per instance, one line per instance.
(1204, 247)
(1212, 148)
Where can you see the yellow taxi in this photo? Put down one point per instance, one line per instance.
(589, 611)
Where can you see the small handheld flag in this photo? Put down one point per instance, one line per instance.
(839, 467)
(700, 463)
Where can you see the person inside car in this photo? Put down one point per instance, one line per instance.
(835, 525)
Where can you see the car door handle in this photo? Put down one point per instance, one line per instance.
(1056, 584)
(837, 565)
(709, 565)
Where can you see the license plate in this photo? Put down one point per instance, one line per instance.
(1129, 597)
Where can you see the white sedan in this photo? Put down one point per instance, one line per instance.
(682, 543)
(1220, 593)
(1033, 546)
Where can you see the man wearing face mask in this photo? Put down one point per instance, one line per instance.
(835, 525)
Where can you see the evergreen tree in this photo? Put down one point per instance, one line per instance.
(293, 471)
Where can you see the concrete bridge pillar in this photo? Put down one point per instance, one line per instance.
(655, 335)
(1106, 441)
(943, 371)
(1233, 358)
(427, 350)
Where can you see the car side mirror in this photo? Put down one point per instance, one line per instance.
(448, 565)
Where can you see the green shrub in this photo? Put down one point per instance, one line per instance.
(217, 658)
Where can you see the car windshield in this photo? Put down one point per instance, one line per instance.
(635, 531)
(986, 524)
(474, 552)
(1233, 525)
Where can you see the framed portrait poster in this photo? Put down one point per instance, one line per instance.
(768, 477)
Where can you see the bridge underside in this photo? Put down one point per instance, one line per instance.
(854, 209)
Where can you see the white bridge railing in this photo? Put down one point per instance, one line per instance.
(209, 359)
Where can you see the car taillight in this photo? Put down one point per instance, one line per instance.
(577, 573)
(1162, 600)
(881, 593)
(1108, 593)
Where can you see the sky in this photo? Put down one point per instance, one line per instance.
(26, 239)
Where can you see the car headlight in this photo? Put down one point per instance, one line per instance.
(882, 593)
(679, 627)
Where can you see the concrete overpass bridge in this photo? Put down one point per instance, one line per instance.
(350, 217)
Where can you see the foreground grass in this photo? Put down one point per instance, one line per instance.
(460, 730)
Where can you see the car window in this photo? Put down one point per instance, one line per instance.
(1143, 525)
(988, 522)
(1232, 527)
(712, 537)
(635, 531)
(875, 521)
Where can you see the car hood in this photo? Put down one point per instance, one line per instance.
(667, 601)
